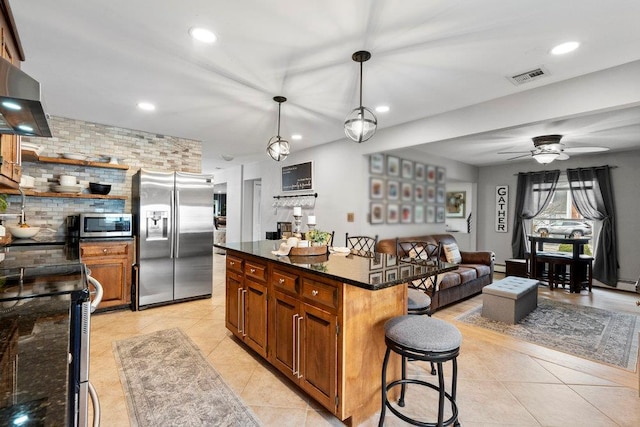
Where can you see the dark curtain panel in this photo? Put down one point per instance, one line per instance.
(533, 194)
(592, 194)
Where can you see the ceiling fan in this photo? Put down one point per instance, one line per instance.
(548, 148)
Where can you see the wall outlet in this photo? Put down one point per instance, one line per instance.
(350, 217)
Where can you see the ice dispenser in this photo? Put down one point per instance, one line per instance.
(157, 225)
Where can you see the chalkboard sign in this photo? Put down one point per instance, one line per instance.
(297, 177)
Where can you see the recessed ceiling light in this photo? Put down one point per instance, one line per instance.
(203, 35)
(146, 106)
(12, 105)
(296, 137)
(565, 48)
(382, 108)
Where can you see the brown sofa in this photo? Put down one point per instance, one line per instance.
(473, 273)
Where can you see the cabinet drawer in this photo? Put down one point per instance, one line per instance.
(234, 263)
(91, 250)
(318, 292)
(284, 281)
(255, 271)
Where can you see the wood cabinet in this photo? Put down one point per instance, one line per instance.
(246, 304)
(10, 168)
(324, 335)
(110, 263)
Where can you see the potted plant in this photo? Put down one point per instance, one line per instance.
(318, 237)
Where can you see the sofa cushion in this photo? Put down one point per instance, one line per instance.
(448, 280)
(452, 253)
(466, 273)
(481, 269)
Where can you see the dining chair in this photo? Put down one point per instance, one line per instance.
(361, 243)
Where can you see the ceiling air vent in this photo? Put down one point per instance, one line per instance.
(528, 76)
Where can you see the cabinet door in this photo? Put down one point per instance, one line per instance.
(319, 354)
(282, 338)
(255, 316)
(112, 275)
(10, 169)
(234, 288)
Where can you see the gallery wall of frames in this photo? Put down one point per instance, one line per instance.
(402, 191)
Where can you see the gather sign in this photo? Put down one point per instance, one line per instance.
(502, 205)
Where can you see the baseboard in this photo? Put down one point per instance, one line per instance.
(499, 268)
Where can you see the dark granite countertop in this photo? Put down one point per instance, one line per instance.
(365, 269)
(38, 280)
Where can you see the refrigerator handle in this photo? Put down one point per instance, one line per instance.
(172, 219)
(176, 227)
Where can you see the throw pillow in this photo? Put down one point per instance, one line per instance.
(452, 253)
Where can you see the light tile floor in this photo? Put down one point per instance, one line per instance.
(502, 381)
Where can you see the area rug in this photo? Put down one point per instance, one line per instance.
(168, 382)
(587, 332)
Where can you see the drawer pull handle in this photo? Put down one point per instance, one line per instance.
(232, 263)
(314, 293)
(253, 270)
(281, 281)
(105, 250)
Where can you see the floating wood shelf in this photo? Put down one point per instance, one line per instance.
(30, 156)
(31, 193)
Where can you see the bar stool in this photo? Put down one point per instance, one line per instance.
(428, 339)
(419, 303)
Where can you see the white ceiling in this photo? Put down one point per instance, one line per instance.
(96, 60)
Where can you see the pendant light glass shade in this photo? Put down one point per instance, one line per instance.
(361, 123)
(545, 157)
(278, 148)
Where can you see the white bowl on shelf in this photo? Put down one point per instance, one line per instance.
(22, 232)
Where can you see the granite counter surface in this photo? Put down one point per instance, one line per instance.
(368, 270)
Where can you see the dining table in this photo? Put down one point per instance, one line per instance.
(574, 260)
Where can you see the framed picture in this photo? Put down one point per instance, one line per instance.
(390, 260)
(393, 190)
(407, 191)
(393, 213)
(377, 213)
(405, 271)
(430, 214)
(439, 213)
(418, 171)
(376, 188)
(419, 269)
(406, 214)
(375, 278)
(393, 166)
(456, 202)
(431, 194)
(376, 262)
(440, 195)
(418, 214)
(407, 169)
(418, 193)
(376, 164)
(431, 174)
(391, 274)
(441, 175)
(297, 177)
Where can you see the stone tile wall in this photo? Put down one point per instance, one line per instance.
(136, 149)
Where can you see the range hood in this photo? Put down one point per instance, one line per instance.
(21, 110)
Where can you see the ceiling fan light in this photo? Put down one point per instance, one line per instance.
(360, 124)
(545, 157)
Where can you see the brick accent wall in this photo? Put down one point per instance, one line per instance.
(137, 149)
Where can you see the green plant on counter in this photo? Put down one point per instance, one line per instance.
(3, 202)
(317, 236)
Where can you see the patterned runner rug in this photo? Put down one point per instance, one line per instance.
(591, 333)
(168, 382)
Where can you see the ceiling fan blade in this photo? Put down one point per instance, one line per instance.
(585, 149)
(519, 157)
(513, 152)
(563, 156)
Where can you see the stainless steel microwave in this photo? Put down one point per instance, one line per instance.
(101, 225)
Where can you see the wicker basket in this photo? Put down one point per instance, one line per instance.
(310, 251)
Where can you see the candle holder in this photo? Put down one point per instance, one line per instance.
(311, 226)
(297, 220)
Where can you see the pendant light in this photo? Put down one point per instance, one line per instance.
(361, 123)
(277, 147)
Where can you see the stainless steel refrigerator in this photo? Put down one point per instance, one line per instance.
(173, 217)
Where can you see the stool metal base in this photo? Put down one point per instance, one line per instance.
(434, 357)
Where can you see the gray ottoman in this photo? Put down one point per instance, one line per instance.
(509, 300)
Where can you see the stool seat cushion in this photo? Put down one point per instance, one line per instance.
(417, 299)
(423, 333)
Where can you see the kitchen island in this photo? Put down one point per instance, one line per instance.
(320, 319)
